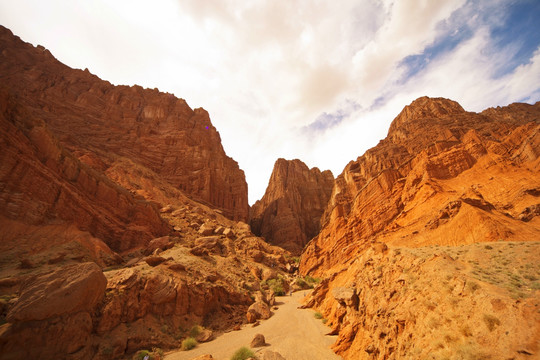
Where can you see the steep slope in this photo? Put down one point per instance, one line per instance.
(93, 118)
(117, 209)
(441, 176)
(289, 213)
(464, 302)
(429, 245)
(42, 184)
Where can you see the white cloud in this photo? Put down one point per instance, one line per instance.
(267, 69)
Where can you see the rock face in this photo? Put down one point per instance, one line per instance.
(119, 183)
(70, 289)
(421, 303)
(442, 176)
(42, 182)
(100, 123)
(289, 213)
(404, 273)
(54, 314)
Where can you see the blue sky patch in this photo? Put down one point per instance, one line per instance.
(518, 35)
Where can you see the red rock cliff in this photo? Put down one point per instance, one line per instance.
(41, 183)
(289, 213)
(442, 176)
(157, 130)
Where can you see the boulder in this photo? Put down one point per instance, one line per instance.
(177, 267)
(162, 243)
(261, 310)
(258, 341)
(268, 274)
(67, 290)
(206, 229)
(154, 260)
(219, 230)
(204, 336)
(229, 233)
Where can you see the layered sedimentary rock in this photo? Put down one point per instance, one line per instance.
(42, 183)
(97, 120)
(442, 176)
(54, 314)
(463, 302)
(404, 272)
(116, 209)
(289, 213)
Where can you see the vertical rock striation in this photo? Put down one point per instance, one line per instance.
(289, 213)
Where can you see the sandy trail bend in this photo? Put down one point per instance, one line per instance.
(292, 332)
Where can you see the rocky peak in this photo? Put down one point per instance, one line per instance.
(436, 158)
(289, 213)
(427, 107)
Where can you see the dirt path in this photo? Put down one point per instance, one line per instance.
(292, 332)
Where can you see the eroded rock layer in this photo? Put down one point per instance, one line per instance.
(429, 243)
(289, 213)
(117, 218)
(441, 176)
(95, 119)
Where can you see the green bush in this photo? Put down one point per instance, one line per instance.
(318, 315)
(189, 343)
(311, 281)
(142, 353)
(242, 354)
(158, 351)
(276, 285)
(302, 283)
(195, 331)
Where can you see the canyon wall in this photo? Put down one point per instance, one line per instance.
(430, 239)
(442, 176)
(289, 213)
(93, 118)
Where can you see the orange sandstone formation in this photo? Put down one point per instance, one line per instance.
(289, 213)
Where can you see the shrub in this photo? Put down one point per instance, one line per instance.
(242, 354)
(142, 353)
(311, 280)
(158, 351)
(195, 331)
(318, 315)
(472, 286)
(491, 321)
(301, 283)
(189, 343)
(276, 285)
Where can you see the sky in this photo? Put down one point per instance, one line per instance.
(316, 80)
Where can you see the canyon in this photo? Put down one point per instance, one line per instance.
(123, 220)
(124, 226)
